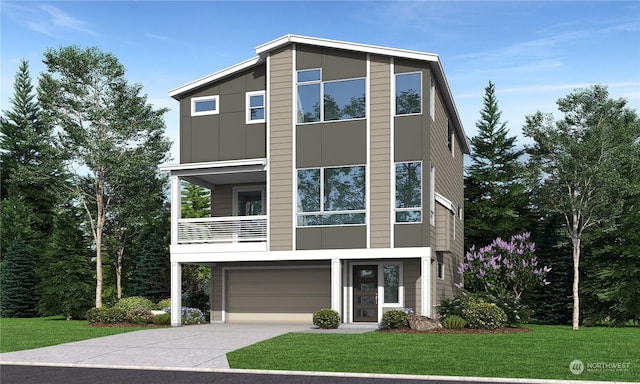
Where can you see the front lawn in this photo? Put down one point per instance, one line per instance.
(544, 353)
(17, 334)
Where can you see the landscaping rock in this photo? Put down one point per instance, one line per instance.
(423, 323)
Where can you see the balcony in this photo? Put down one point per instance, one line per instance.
(221, 230)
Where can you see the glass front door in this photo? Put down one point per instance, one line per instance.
(365, 293)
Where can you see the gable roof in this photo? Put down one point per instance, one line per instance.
(262, 51)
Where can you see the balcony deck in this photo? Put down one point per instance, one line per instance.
(223, 230)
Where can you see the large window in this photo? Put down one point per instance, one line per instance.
(331, 196)
(408, 93)
(391, 283)
(204, 105)
(341, 99)
(409, 192)
(255, 107)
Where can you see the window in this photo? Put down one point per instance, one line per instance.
(391, 283)
(440, 270)
(205, 105)
(341, 100)
(432, 194)
(432, 100)
(408, 93)
(331, 196)
(255, 107)
(450, 138)
(409, 192)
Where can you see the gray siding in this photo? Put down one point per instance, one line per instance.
(338, 237)
(280, 192)
(224, 136)
(335, 64)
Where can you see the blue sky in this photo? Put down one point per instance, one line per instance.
(535, 52)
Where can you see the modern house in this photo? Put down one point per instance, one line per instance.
(336, 178)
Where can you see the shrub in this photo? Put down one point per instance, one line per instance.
(190, 315)
(517, 313)
(106, 315)
(456, 306)
(326, 319)
(454, 322)
(163, 304)
(396, 318)
(162, 319)
(130, 303)
(484, 315)
(139, 316)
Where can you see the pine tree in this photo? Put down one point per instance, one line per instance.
(495, 198)
(151, 277)
(196, 201)
(18, 294)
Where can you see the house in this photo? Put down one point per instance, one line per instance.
(336, 176)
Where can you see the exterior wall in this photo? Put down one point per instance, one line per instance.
(223, 136)
(380, 156)
(412, 279)
(280, 193)
(222, 199)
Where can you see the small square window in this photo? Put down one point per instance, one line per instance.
(255, 107)
(205, 105)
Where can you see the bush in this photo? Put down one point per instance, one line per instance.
(517, 313)
(190, 315)
(454, 322)
(163, 304)
(130, 303)
(162, 319)
(106, 315)
(326, 319)
(139, 316)
(396, 318)
(456, 306)
(484, 315)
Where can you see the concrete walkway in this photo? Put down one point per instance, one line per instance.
(194, 346)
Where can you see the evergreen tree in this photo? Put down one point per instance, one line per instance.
(196, 201)
(495, 197)
(18, 275)
(151, 277)
(66, 271)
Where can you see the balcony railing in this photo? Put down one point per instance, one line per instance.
(235, 229)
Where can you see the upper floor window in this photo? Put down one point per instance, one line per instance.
(255, 107)
(409, 192)
(205, 105)
(408, 93)
(432, 194)
(450, 138)
(329, 100)
(432, 99)
(331, 196)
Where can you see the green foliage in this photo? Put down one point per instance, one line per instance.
(139, 316)
(496, 197)
(162, 319)
(195, 286)
(163, 304)
(17, 274)
(484, 315)
(130, 303)
(454, 322)
(151, 277)
(395, 318)
(456, 306)
(106, 315)
(326, 319)
(517, 313)
(196, 201)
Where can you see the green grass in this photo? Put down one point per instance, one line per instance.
(543, 353)
(17, 334)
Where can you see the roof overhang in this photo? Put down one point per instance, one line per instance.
(209, 174)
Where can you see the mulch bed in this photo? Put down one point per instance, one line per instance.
(458, 331)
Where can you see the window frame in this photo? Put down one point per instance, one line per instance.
(195, 100)
(322, 196)
(249, 108)
(440, 270)
(432, 194)
(407, 209)
(395, 95)
(322, 95)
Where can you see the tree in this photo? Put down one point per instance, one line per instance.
(18, 295)
(151, 276)
(578, 164)
(32, 169)
(496, 202)
(106, 126)
(66, 277)
(195, 201)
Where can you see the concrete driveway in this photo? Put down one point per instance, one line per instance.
(195, 346)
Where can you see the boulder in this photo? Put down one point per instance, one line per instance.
(423, 323)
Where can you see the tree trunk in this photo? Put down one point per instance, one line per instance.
(119, 254)
(576, 278)
(100, 219)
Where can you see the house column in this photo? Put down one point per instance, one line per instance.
(176, 207)
(336, 286)
(425, 284)
(176, 294)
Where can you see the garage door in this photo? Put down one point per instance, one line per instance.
(276, 295)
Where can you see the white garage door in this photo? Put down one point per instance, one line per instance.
(276, 295)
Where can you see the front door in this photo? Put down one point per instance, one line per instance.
(365, 293)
